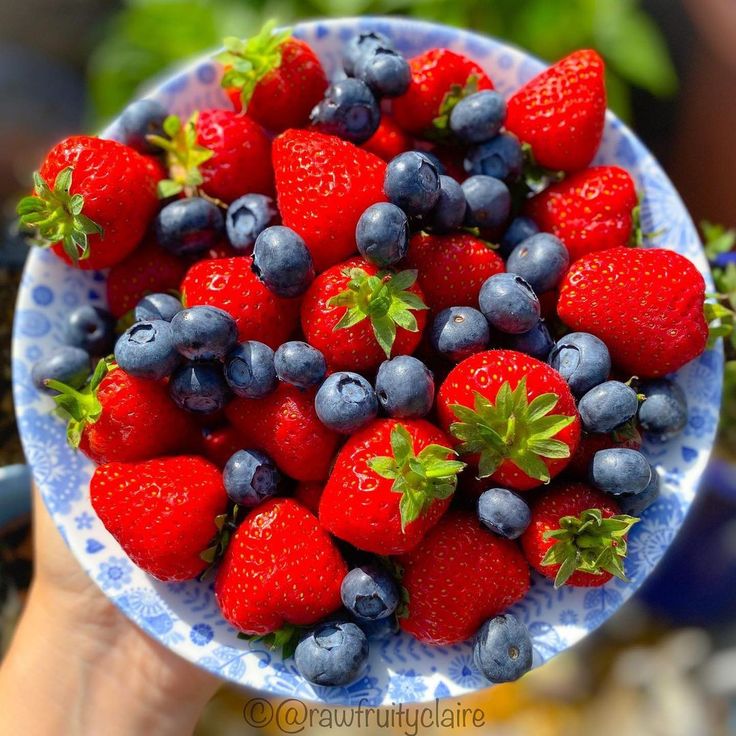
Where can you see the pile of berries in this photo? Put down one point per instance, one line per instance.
(374, 350)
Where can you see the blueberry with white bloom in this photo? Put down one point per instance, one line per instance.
(332, 653)
(405, 387)
(139, 120)
(199, 387)
(385, 71)
(204, 333)
(635, 504)
(247, 217)
(509, 303)
(458, 332)
(382, 234)
(663, 414)
(147, 350)
(582, 360)
(501, 157)
(250, 477)
(282, 261)
(537, 342)
(449, 212)
(503, 512)
(540, 260)
(502, 650)
(520, 228)
(412, 183)
(369, 592)
(620, 470)
(250, 371)
(348, 110)
(346, 402)
(300, 364)
(90, 328)
(488, 201)
(189, 226)
(67, 364)
(158, 306)
(607, 406)
(478, 117)
(359, 46)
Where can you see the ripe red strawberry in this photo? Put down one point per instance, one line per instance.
(560, 113)
(591, 443)
(93, 201)
(285, 426)
(512, 415)
(589, 211)
(440, 78)
(162, 512)
(308, 495)
(324, 184)
(279, 569)
(119, 418)
(358, 316)
(459, 576)
(645, 304)
(276, 79)
(377, 498)
(220, 444)
(452, 268)
(147, 270)
(577, 536)
(230, 284)
(388, 141)
(223, 153)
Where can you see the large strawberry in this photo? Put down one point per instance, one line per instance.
(512, 415)
(459, 576)
(324, 184)
(92, 203)
(645, 304)
(222, 153)
(390, 484)
(119, 418)
(308, 494)
(589, 211)
(273, 77)
(280, 569)
(161, 512)
(147, 270)
(560, 113)
(388, 141)
(219, 444)
(452, 268)
(230, 284)
(358, 316)
(577, 536)
(439, 79)
(285, 426)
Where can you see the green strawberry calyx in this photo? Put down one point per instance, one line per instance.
(385, 299)
(55, 215)
(247, 61)
(589, 543)
(184, 156)
(721, 319)
(80, 407)
(513, 429)
(441, 123)
(420, 479)
(283, 640)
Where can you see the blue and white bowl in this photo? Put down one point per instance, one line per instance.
(184, 616)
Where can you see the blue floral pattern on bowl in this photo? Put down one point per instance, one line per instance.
(184, 616)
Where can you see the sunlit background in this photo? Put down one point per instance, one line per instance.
(666, 664)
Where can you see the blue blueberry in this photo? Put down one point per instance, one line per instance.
(140, 119)
(458, 332)
(382, 234)
(361, 45)
(147, 350)
(541, 261)
(582, 360)
(488, 201)
(449, 212)
(332, 653)
(723, 260)
(90, 328)
(348, 110)
(189, 226)
(478, 117)
(204, 333)
(503, 512)
(250, 371)
(434, 159)
(405, 387)
(369, 593)
(381, 629)
(346, 402)
(537, 342)
(250, 477)
(663, 414)
(509, 303)
(634, 504)
(199, 387)
(502, 650)
(282, 261)
(300, 364)
(247, 217)
(607, 406)
(385, 71)
(520, 228)
(620, 470)
(67, 364)
(501, 158)
(412, 183)
(158, 306)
